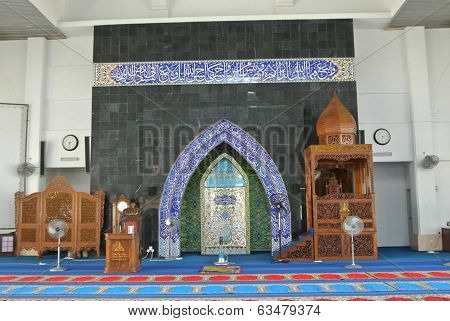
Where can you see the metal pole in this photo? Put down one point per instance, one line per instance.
(59, 251)
(353, 251)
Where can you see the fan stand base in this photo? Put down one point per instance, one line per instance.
(280, 261)
(447, 264)
(57, 269)
(353, 266)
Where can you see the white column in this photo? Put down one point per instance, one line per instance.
(34, 96)
(423, 181)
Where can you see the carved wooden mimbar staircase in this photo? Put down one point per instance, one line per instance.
(299, 250)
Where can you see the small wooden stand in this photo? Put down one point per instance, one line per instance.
(122, 253)
(446, 239)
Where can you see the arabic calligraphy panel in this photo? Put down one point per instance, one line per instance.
(224, 72)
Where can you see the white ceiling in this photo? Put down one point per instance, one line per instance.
(75, 16)
(428, 13)
(19, 19)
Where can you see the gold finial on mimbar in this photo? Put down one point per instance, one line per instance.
(344, 211)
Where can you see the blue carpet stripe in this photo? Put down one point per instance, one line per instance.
(205, 290)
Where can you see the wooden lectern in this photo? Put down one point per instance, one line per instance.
(122, 253)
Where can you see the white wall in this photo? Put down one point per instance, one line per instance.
(382, 87)
(68, 98)
(438, 43)
(12, 71)
(385, 88)
(12, 153)
(64, 101)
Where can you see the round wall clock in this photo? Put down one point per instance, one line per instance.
(70, 143)
(382, 136)
(122, 206)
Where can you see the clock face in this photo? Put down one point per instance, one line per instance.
(382, 136)
(122, 206)
(70, 143)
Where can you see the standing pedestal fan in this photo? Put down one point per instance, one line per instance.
(172, 225)
(279, 200)
(353, 226)
(57, 229)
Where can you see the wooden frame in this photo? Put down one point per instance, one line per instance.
(82, 212)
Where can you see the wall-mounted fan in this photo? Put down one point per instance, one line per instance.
(430, 161)
(353, 226)
(25, 169)
(172, 225)
(57, 229)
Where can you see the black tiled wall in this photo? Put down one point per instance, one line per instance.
(224, 40)
(138, 132)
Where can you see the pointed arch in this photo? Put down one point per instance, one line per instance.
(241, 178)
(187, 162)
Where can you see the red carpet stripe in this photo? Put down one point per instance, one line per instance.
(274, 277)
(166, 278)
(219, 278)
(440, 274)
(83, 279)
(31, 279)
(302, 277)
(247, 277)
(382, 275)
(358, 276)
(57, 279)
(192, 278)
(330, 276)
(137, 279)
(414, 275)
(111, 279)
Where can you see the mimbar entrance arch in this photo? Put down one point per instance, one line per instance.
(186, 164)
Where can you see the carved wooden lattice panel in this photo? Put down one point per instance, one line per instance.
(328, 211)
(28, 235)
(29, 211)
(303, 252)
(362, 210)
(329, 245)
(88, 211)
(59, 205)
(88, 235)
(364, 245)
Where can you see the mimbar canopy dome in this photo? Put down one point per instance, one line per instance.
(336, 124)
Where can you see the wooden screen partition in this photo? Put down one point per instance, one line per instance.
(82, 212)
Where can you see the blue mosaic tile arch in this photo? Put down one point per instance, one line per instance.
(186, 164)
(223, 72)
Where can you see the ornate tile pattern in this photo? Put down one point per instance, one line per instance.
(225, 207)
(223, 72)
(260, 234)
(190, 158)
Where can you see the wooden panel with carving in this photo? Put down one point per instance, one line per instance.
(27, 221)
(81, 211)
(58, 204)
(89, 221)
